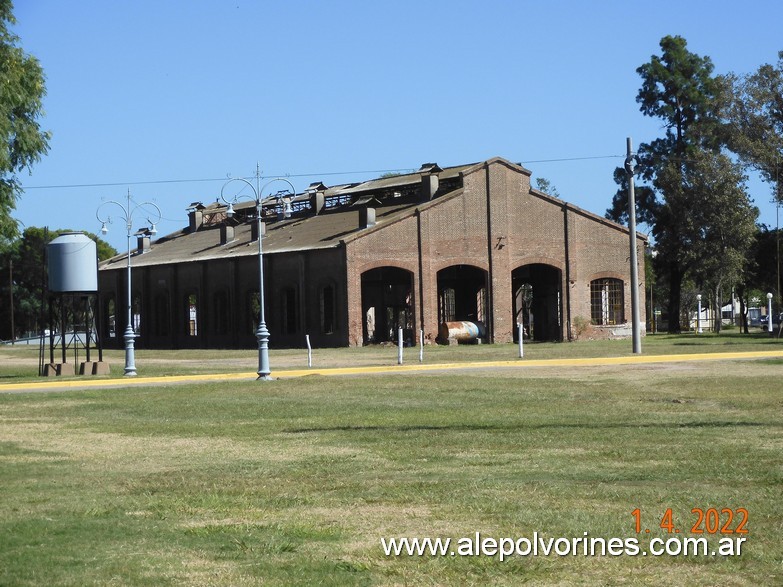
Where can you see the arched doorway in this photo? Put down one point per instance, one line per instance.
(537, 301)
(462, 295)
(387, 305)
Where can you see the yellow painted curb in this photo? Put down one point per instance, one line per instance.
(387, 369)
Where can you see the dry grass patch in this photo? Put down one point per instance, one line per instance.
(297, 481)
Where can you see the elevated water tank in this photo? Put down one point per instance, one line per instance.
(73, 263)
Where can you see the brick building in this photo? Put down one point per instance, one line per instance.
(350, 264)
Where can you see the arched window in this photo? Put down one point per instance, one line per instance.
(607, 306)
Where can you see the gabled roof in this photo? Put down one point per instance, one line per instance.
(392, 196)
(295, 234)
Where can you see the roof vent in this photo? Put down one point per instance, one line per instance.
(430, 168)
(195, 216)
(429, 180)
(317, 192)
(143, 241)
(226, 233)
(366, 217)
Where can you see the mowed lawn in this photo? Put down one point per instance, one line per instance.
(295, 482)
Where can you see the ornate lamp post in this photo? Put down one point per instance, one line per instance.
(262, 333)
(127, 215)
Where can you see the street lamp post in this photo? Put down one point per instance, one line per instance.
(127, 215)
(769, 312)
(698, 314)
(262, 332)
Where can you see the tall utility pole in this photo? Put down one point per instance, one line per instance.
(630, 168)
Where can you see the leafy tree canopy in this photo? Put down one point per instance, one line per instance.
(678, 88)
(24, 258)
(753, 109)
(546, 186)
(22, 142)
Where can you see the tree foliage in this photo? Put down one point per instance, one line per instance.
(678, 88)
(695, 199)
(22, 90)
(647, 205)
(546, 186)
(753, 109)
(23, 268)
(721, 229)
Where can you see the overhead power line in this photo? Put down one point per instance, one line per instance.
(326, 174)
(203, 180)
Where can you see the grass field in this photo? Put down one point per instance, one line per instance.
(295, 482)
(20, 363)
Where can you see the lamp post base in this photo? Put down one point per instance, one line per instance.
(130, 355)
(264, 372)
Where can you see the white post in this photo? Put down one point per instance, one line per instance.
(399, 346)
(698, 315)
(309, 351)
(521, 330)
(421, 345)
(769, 312)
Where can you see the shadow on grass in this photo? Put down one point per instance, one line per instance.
(487, 427)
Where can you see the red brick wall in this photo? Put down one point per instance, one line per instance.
(525, 228)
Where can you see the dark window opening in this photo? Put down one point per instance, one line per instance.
(253, 310)
(220, 302)
(191, 302)
(160, 326)
(137, 315)
(290, 315)
(327, 310)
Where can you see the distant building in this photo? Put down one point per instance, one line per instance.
(353, 263)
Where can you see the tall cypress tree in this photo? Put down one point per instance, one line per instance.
(678, 88)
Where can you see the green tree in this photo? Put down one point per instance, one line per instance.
(720, 229)
(546, 186)
(647, 206)
(21, 105)
(753, 110)
(761, 273)
(24, 272)
(677, 87)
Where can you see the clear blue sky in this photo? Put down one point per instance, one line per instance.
(176, 92)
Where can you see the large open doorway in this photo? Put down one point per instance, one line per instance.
(537, 302)
(387, 305)
(462, 295)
